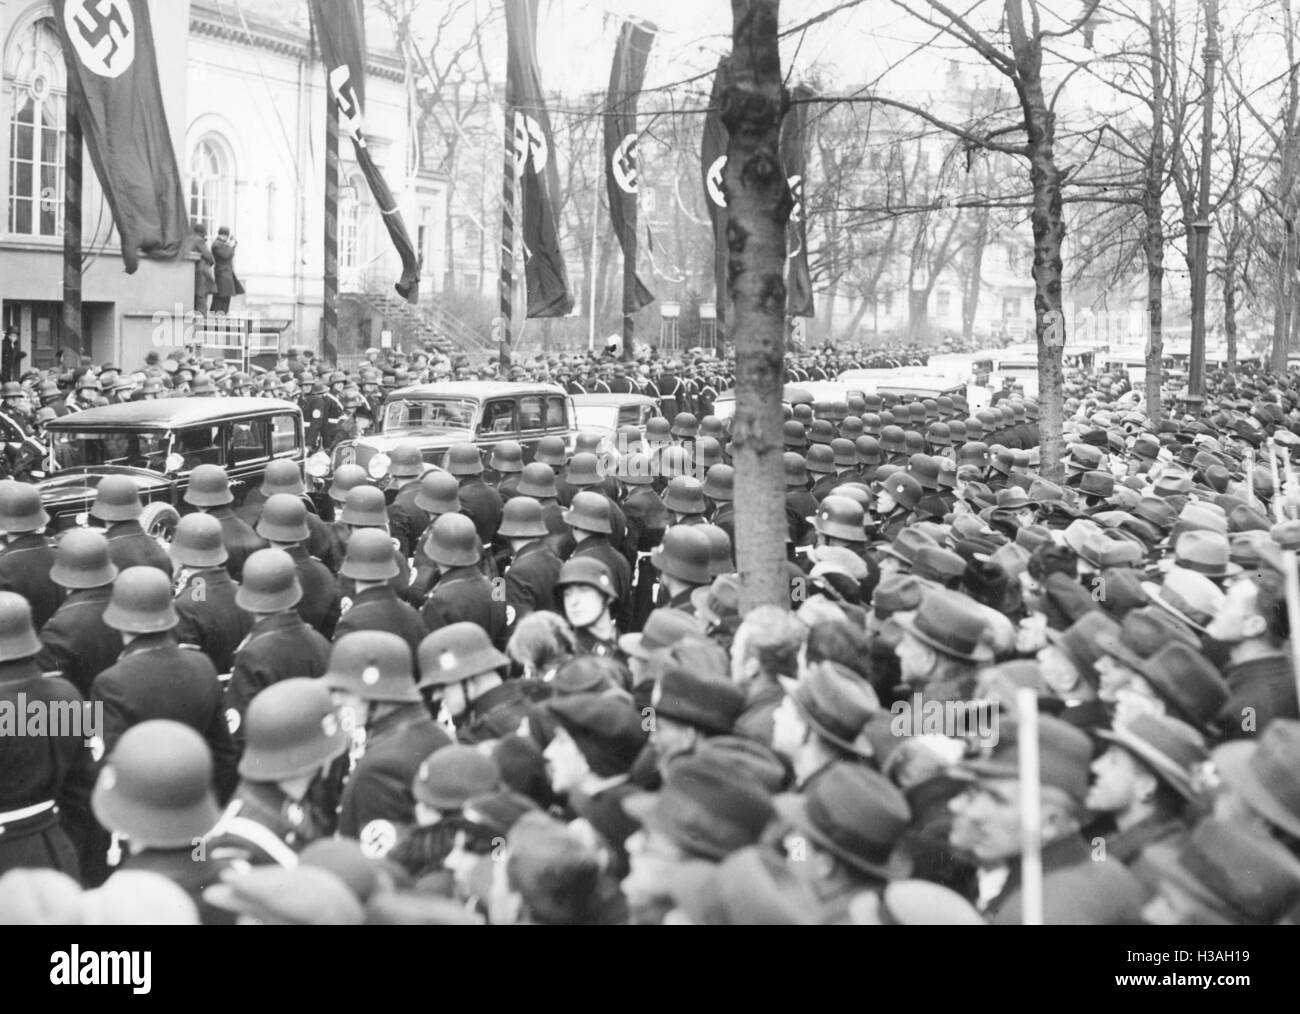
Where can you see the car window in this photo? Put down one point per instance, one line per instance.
(631, 415)
(556, 415)
(531, 415)
(284, 434)
(250, 439)
(499, 417)
(198, 445)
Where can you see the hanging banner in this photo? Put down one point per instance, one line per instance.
(622, 168)
(340, 27)
(794, 158)
(545, 273)
(713, 162)
(115, 92)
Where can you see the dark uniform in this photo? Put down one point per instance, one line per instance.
(262, 826)
(530, 581)
(41, 776)
(179, 866)
(380, 609)
(378, 791)
(483, 505)
(599, 547)
(463, 594)
(156, 677)
(277, 647)
(406, 521)
(799, 504)
(319, 606)
(210, 620)
(78, 645)
(25, 568)
(238, 537)
(129, 546)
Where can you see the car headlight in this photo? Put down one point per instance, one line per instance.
(378, 467)
(318, 465)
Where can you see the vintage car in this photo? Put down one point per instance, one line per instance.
(158, 444)
(605, 413)
(436, 416)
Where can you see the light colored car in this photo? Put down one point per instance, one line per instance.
(607, 412)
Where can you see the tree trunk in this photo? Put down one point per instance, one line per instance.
(1049, 233)
(1230, 307)
(1154, 240)
(918, 315)
(970, 297)
(758, 207)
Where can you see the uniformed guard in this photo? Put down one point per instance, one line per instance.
(533, 570)
(406, 520)
(47, 780)
(439, 494)
(155, 794)
(590, 520)
(371, 564)
(77, 644)
(27, 558)
(117, 503)
(590, 601)
(279, 645)
(682, 560)
(461, 592)
(462, 674)
(293, 737)
(371, 674)
(365, 508)
(478, 501)
(284, 526)
(205, 593)
(209, 492)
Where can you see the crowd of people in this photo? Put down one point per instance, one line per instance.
(515, 693)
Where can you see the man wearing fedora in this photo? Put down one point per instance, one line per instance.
(943, 646)
(821, 720)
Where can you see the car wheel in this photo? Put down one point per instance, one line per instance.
(160, 521)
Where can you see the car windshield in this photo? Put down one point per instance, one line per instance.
(424, 415)
(135, 449)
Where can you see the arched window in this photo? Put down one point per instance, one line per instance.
(350, 223)
(37, 90)
(212, 176)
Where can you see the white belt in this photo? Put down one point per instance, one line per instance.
(13, 816)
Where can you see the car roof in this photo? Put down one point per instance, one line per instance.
(613, 399)
(479, 390)
(169, 413)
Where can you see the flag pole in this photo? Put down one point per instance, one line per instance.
(507, 241)
(330, 312)
(71, 339)
(595, 265)
(1031, 824)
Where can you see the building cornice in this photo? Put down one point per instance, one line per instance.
(214, 23)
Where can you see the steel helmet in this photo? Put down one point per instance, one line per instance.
(117, 498)
(685, 495)
(708, 452)
(913, 442)
(720, 483)
(905, 490)
(589, 512)
(685, 426)
(793, 436)
(822, 432)
(821, 460)
(588, 442)
(439, 493)
(675, 460)
(464, 459)
(551, 451)
(839, 517)
(156, 786)
(453, 541)
(522, 519)
(893, 440)
(587, 570)
(346, 477)
(290, 729)
(658, 430)
(636, 469)
(283, 476)
(453, 774)
(370, 556)
(18, 638)
(584, 470)
(795, 467)
(269, 583)
(868, 451)
(507, 457)
(284, 519)
(537, 480)
(141, 602)
(198, 542)
(374, 665)
(209, 487)
(720, 561)
(365, 507)
(684, 554)
(81, 560)
(457, 652)
(405, 461)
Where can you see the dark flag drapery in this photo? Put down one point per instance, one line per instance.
(713, 161)
(114, 88)
(340, 27)
(794, 128)
(622, 169)
(544, 270)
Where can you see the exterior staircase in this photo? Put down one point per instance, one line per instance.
(427, 321)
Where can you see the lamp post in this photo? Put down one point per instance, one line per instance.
(1201, 227)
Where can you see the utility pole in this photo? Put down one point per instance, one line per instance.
(1201, 227)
